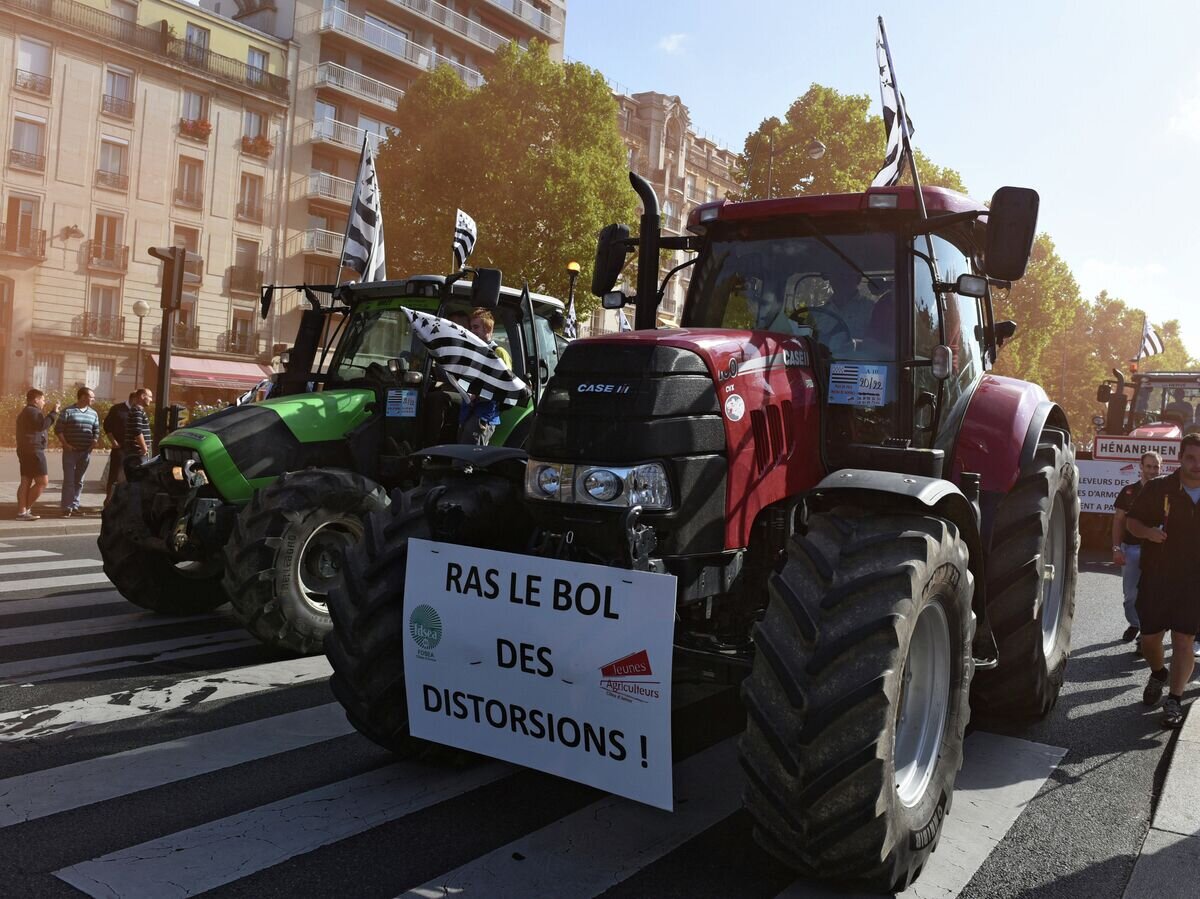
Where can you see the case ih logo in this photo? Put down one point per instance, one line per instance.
(628, 678)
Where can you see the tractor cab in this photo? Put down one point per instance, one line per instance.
(1160, 404)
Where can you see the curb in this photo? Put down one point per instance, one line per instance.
(1172, 846)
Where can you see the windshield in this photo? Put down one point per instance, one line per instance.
(835, 288)
(1166, 400)
(373, 336)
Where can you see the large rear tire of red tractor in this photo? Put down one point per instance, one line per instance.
(149, 579)
(366, 645)
(1032, 568)
(857, 701)
(287, 550)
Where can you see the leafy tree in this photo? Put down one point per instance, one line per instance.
(854, 142)
(534, 156)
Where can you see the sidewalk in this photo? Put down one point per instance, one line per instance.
(1170, 857)
(52, 523)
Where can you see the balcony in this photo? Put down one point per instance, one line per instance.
(385, 41)
(323, 186)
(452, 21)
(339, 134)
(240, 343)
(111, 180)
(245, 279)
(32, 82)
(99, 26)
(250, 212)
(317, 243)
(183, 337)
(107, 257)
(99, 327)
(30, 162)
(530, 15)
(359, 86)
(117, 106)
(27, 242)
(188, 198)
(195, 129)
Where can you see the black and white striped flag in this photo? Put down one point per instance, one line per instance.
(622, 321)
(464, 239)
(470, 364)
(893, 108)
(363, 250)
(571, 325)
(1152, 344)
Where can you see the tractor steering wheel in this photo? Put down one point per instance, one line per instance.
(839, 324)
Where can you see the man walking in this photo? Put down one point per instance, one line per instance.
(1166, 518)
(78, 428)
(32, 425)
(1127, 549)
(137, 431)
(116, 422)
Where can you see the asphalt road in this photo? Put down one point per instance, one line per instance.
(142, 709)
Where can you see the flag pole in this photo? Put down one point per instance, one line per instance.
(527, 303)
(362, 157)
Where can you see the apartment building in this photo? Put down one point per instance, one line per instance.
(352, 62)
(685, 168)
(127, 124)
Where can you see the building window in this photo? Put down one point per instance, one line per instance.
(20, 233)
(28, 144)
(250, 197)
(33, 66)
(103, 319)
(113, 172)
(100, 377)
(710, 193)
(242, 338)
(245, 277)
(195, 48)
(48, 371)
(118, 93)
(318, 273)
(106, 249)
(124, 10)
(189, 183)
(188, 238)
(689, 189)
(195, 106)
(252, 124)
(256, 63)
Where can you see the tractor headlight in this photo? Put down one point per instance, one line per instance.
(602, 485)
(645, 485)
(547, 480)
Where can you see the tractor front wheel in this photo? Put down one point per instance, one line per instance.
(148, 578)
(857, 701)
(288, 549)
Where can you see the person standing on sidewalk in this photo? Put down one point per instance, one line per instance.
(78, 428)
(32, 424)
(137, 430)
(1127, 549)
(1166, 518)
(116, 422)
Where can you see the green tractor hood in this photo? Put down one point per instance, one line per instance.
(243, 448)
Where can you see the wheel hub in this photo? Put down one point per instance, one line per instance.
(1054, 573)
(321, 559)
(923, 706)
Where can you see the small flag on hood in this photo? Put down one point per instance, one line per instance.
(464, 239)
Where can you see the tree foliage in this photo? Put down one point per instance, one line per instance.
(534, 156)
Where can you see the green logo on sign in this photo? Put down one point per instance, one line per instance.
(425, 626)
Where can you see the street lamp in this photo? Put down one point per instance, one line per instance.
(141, 309)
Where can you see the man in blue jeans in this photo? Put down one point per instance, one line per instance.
(79, 430)
(1127, 549)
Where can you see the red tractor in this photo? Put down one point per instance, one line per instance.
(872, 532)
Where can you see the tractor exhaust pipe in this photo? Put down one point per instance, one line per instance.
(646, 308)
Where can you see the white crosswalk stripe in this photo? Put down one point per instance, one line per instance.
(56, 565)
(131, 621)
(52, 583)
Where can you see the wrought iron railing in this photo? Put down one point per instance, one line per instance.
(102, 327)
(33, 162)
(112, 180)
(242, 343)
(32, 82)
(244, 279)
(117, 106)
(250, 212)
(193, 199)
(114, 257)
(185, 337)
(19, 241)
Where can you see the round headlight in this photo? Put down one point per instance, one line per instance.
(547, 480)
(602, 485)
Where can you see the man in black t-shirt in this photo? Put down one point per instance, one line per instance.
(1127, 549)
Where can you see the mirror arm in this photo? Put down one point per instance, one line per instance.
(937, 222)
(662, 288)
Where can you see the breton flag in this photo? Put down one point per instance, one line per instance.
(468, 363)
(570, 326)
(363, 249)
(893, 108)
(1152, 344)
(622, 321)
(464, 239)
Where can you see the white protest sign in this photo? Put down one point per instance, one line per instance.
(1100, 480)
(1132, 448)
(560, 666)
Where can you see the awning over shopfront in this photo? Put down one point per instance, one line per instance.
(218, 374)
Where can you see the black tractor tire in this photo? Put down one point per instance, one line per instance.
(1032, 568)
(149, 579)
(366, 645)
(288, 548)
(865, 604)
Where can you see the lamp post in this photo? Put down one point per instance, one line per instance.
(141, 309)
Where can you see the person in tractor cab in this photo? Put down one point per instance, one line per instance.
(847, 302)
(478, 418)
(1179, 408)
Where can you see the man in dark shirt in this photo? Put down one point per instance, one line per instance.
(137, 431)
(32, 425)
(116, 423)
(1127, 549)
(1166, 518)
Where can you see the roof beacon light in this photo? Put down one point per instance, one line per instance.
(710, 213)
(882, 201)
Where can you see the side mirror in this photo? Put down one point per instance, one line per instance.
(485, 289)
(1098, 420)
(611, 249)
(971, 286)
(614, 299)
(942, 362)
(1005, 331)
(1103, 394)
(1012, 224)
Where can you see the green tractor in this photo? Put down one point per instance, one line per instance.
(255, 505)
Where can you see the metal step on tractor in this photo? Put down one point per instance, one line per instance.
(257, 504)
(870, 531)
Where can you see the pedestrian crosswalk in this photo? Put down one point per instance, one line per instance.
(194, 760)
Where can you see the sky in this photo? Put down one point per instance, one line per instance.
(1095, 105)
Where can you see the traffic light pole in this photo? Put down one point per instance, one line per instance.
(174, 261)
